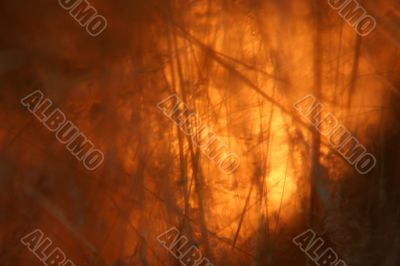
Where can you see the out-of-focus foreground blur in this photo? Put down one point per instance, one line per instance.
(240, 65)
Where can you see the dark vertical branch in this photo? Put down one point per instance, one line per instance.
(315, 141)
(354, 71)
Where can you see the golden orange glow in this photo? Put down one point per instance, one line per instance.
(240, 66)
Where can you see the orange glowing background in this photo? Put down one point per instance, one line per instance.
(239, 65)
